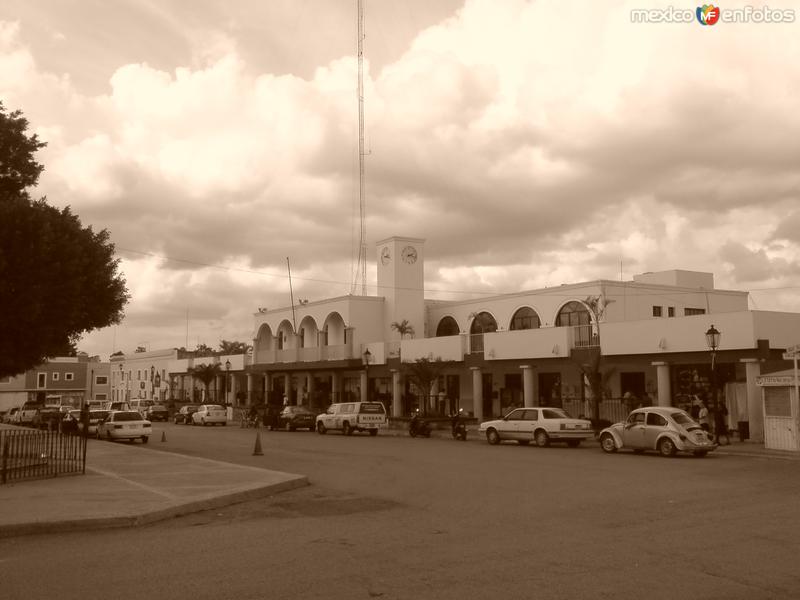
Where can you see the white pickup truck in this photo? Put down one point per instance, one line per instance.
(352, 416)
(27, 412)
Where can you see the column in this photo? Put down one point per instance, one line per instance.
(310, 389)
(249, 399)
(336, 382)
(287, 388)
(433, 401)
(662, 383)
(364, 382)
(266, 386)
(477, 393)
(528, 391)
(397, 401)
(755, 408)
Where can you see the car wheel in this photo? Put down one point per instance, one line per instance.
(666, 447)
(346, 430)
(523, 442)
(493, 437)
(204, 422)
(144, 439)
(289, 426)
(542, 439)
(700, 453)
(573, 443)
(373, 432)
(607, 443)
(321, 429)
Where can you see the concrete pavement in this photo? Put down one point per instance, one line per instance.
(128, 485)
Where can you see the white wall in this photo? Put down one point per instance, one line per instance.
(447, 348)
(546, 342)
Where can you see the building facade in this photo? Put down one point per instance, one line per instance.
(644, 338)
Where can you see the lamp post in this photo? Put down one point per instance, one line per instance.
(121, 381)
(712, 340)
(152, 382)
(227, 379)
(367, 357)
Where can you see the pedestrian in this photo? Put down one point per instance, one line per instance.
(721, 424)
(702, 416)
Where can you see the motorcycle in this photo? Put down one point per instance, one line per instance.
(458, 427)
(418, 427)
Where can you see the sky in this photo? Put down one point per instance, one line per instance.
(529, 143)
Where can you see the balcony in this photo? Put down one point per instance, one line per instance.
(449, 348)
(547, 342)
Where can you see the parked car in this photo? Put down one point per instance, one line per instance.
(124, 425)
(352, 416)
(157, 412)
(297, 417)
(667, 430)
(11, 416)
(95, 416)
(542, 425)
(140, 406)
(184, 415)
(210, 414)
(47, 417)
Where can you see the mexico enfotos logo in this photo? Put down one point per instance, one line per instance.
(710, 14)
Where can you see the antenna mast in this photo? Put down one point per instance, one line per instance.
(361, 269)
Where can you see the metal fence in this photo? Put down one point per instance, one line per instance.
(35, 454)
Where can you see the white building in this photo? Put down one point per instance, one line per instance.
(527, 348)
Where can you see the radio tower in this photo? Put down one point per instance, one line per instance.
(361, 268)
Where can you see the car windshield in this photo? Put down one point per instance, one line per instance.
(127, 416)
(214, 407)
(554, 413)
(372, 408)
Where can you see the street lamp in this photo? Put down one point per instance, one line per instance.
(227, 379)
(367, 357)
(712, 340)
(152, 382)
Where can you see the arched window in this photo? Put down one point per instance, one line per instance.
(483, 323)
(447, 326)
(525, 318)
(573, 313)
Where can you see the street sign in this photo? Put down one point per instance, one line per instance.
(790, 355)
(793, 349)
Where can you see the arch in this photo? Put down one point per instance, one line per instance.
(447, 326)
(333, 331)
(264, 339)
(308, 333)
(573, 313)
(525, 318)
(284, 336)
(483, 322)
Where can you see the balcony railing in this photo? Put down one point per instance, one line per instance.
(340, 352)
(476, 343)
(585, 336)
(308, 354)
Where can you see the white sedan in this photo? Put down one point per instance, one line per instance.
(539, 424)
(210, 414)
(124, 425)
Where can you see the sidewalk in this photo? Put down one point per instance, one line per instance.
(126, 486)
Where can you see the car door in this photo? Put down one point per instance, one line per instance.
(510, 428)
(633, 431)
(655, 425)
(528, 424)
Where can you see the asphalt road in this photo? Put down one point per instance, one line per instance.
(395, 517)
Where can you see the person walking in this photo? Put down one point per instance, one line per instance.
(721, 424)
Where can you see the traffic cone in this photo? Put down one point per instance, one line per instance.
(257, 450)
(163, 436)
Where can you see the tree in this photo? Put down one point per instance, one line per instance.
(18, 169)
(404, 328)
(423, 373)
(227, 347)
(205, 374)
(59, 279)
(203, 350)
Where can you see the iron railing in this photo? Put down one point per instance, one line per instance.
(35, 454)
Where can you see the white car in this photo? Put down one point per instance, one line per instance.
(542, 425)
(124, 425)
(210, 414)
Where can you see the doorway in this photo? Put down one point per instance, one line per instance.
(550, 389)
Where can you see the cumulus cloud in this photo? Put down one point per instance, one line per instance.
(527, 150)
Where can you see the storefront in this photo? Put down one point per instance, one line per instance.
(781, 410)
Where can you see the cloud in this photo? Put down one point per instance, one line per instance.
(527, 150)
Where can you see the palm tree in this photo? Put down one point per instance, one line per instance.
(206, 373)
(404, 328)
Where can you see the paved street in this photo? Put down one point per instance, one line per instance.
(395, 517)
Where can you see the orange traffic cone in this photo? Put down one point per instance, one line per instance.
(163, 436)
(257, 450)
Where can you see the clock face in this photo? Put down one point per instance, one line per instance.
(409, 255)
(385, 255)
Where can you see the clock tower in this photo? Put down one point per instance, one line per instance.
(401, 280)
